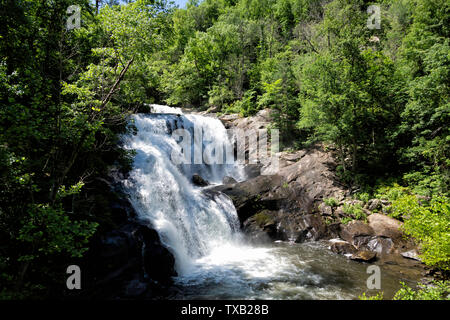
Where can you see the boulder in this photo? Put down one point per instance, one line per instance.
(364, 256)
(356, 232)
(385, 226)
(380, 245)
(158, 262)
(342, 247)
(412, 254)
(199, 181)
(310, 227)
(325, 210)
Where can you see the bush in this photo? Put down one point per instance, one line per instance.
(439, 290)
(378, 296)
(356, 211)
(430, 225)
(331, 202)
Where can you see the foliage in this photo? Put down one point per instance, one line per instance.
(332, 202)
(438, 290)
(355, 211)
(430, 225)
(378, 296)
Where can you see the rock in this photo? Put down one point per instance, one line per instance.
(374, 204)
(310, 227)
(229, 180)
(364, 256)
(381, 245)
(135, 289)
(325, 210)
(261, 228)
(412, 254)
(356, 232)
(293, 157)
(385, 226)
(158, 262)
(343, 247)
(199, 181)
(229, 117)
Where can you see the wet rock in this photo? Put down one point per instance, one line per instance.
(412, 254)
(158, 262)
(229, 180)
(310, 227)
(381, 245)
(135, 289)
(261, 228)
(342, 247)
(364, 256)
(199, 181)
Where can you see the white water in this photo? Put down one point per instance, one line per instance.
(203, 231)
(190, 224)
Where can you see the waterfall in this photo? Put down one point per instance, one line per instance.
(201, 228)
(191, 224)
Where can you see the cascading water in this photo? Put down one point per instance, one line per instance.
(202, 230)
(190, 223)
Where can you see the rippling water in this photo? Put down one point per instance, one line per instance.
(282, 271)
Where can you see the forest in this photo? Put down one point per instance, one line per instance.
(378, 97)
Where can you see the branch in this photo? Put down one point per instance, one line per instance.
(113, 89)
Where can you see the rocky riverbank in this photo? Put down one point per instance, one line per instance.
(304, 201)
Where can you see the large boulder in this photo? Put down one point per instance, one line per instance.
(157, 261)
(356, 232)
(310, 227)
(385, 226)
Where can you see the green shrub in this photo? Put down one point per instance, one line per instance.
(378, 296)
(332, 202)
(439, 290)
(430, 225)
(355, 210)
(363, 196)
(391, 193)
(346, 220)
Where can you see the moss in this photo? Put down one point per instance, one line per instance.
(262, 218)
